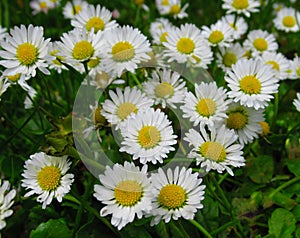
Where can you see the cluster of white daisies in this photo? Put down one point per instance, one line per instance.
(224, 118)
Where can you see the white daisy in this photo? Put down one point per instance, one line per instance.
(172, 8)
(47, 177)
(187, 45)
(245, 121)
(176, 193)
(207, 106)
(24, 51)
(93, 17)
(238, 24)
(102, 79)
(123, 104)
(229, 56)
(159, 29)
(219, 34)
(165, 87)
(241, 6)
(252, 83)
(286, 20)
(215, 150)
(7, 196)
(296, 102)
(41, 6)
(72, 8)
(125, 48)
(279, 63)
(56, 62)
(78, 46)
(148, 136)
(259, 41)
(126, 192)
(295, 67)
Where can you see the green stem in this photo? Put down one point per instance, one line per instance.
(221, 192)
(200, 228)
(223, 227)
(276, 103)
(284, 185)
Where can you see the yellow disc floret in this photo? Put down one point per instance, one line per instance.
(96, 23)
(122, 51)
(172, 197)
(237, 119)
(27, 54)
(206, 107)
(250, 85)
(289, 21)
(185, 45)
(260, 44)
(240, 4)
(148, 137)
(216, 37)
(83, 50)
(213, 151)
(128, 193)
(125, 109)
(229, 59)
(164, 89)
(49, 178)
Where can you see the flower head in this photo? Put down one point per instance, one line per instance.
(286, 20)
(241, 6)
(74, 7)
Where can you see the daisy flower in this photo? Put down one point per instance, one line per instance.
(47, 177)
(78, 46)
(295, 67)
(229, 56)
(123, 104)
(159, 29)
(72, 8)
(219, 34)
(279, 62)
(165, 88)
(187, 45)
(286, 20)
(177, 193)
(55, 63)
(207, 106)
(24, 51)
(7, 196)
(172, 8)
(238, 24)
(259, 41)
(41, 6)
(296, 102)
(126, 192)
(252, 83)
(93, 17)
(102, 79)
(148, 136)
(125, 49)
(241, 6)
(244, 121)
(215, 150)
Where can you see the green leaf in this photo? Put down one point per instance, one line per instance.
(161, 229)
(297, 233)
(294, 166)
(260, 169)
(296, 212)
(282, 223)
(284, 201)
(51, 229)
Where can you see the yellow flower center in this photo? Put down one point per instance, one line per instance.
(274, 64)
(265, 128)
(164, 90)
(298, 71)
(13, 78)
(27, 54)
(148, 137)
(139, 2)
(83, 50)
(247, 54)
(172, 197)
(213, 151)
(43, 5)
(125, 109)
(49, 178)
(289, 21)
(122, 51)
(185, 45)
(216, 37)
(165, 2)
(77, 9)
(260, 44)
(229, 59)
(240, 4)
(128, 193)
(93, 62)
(237, 119)
(98, 118)
(175, 9)
(206, 107)
(96, 23)
(250, 85)
(163, 37)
